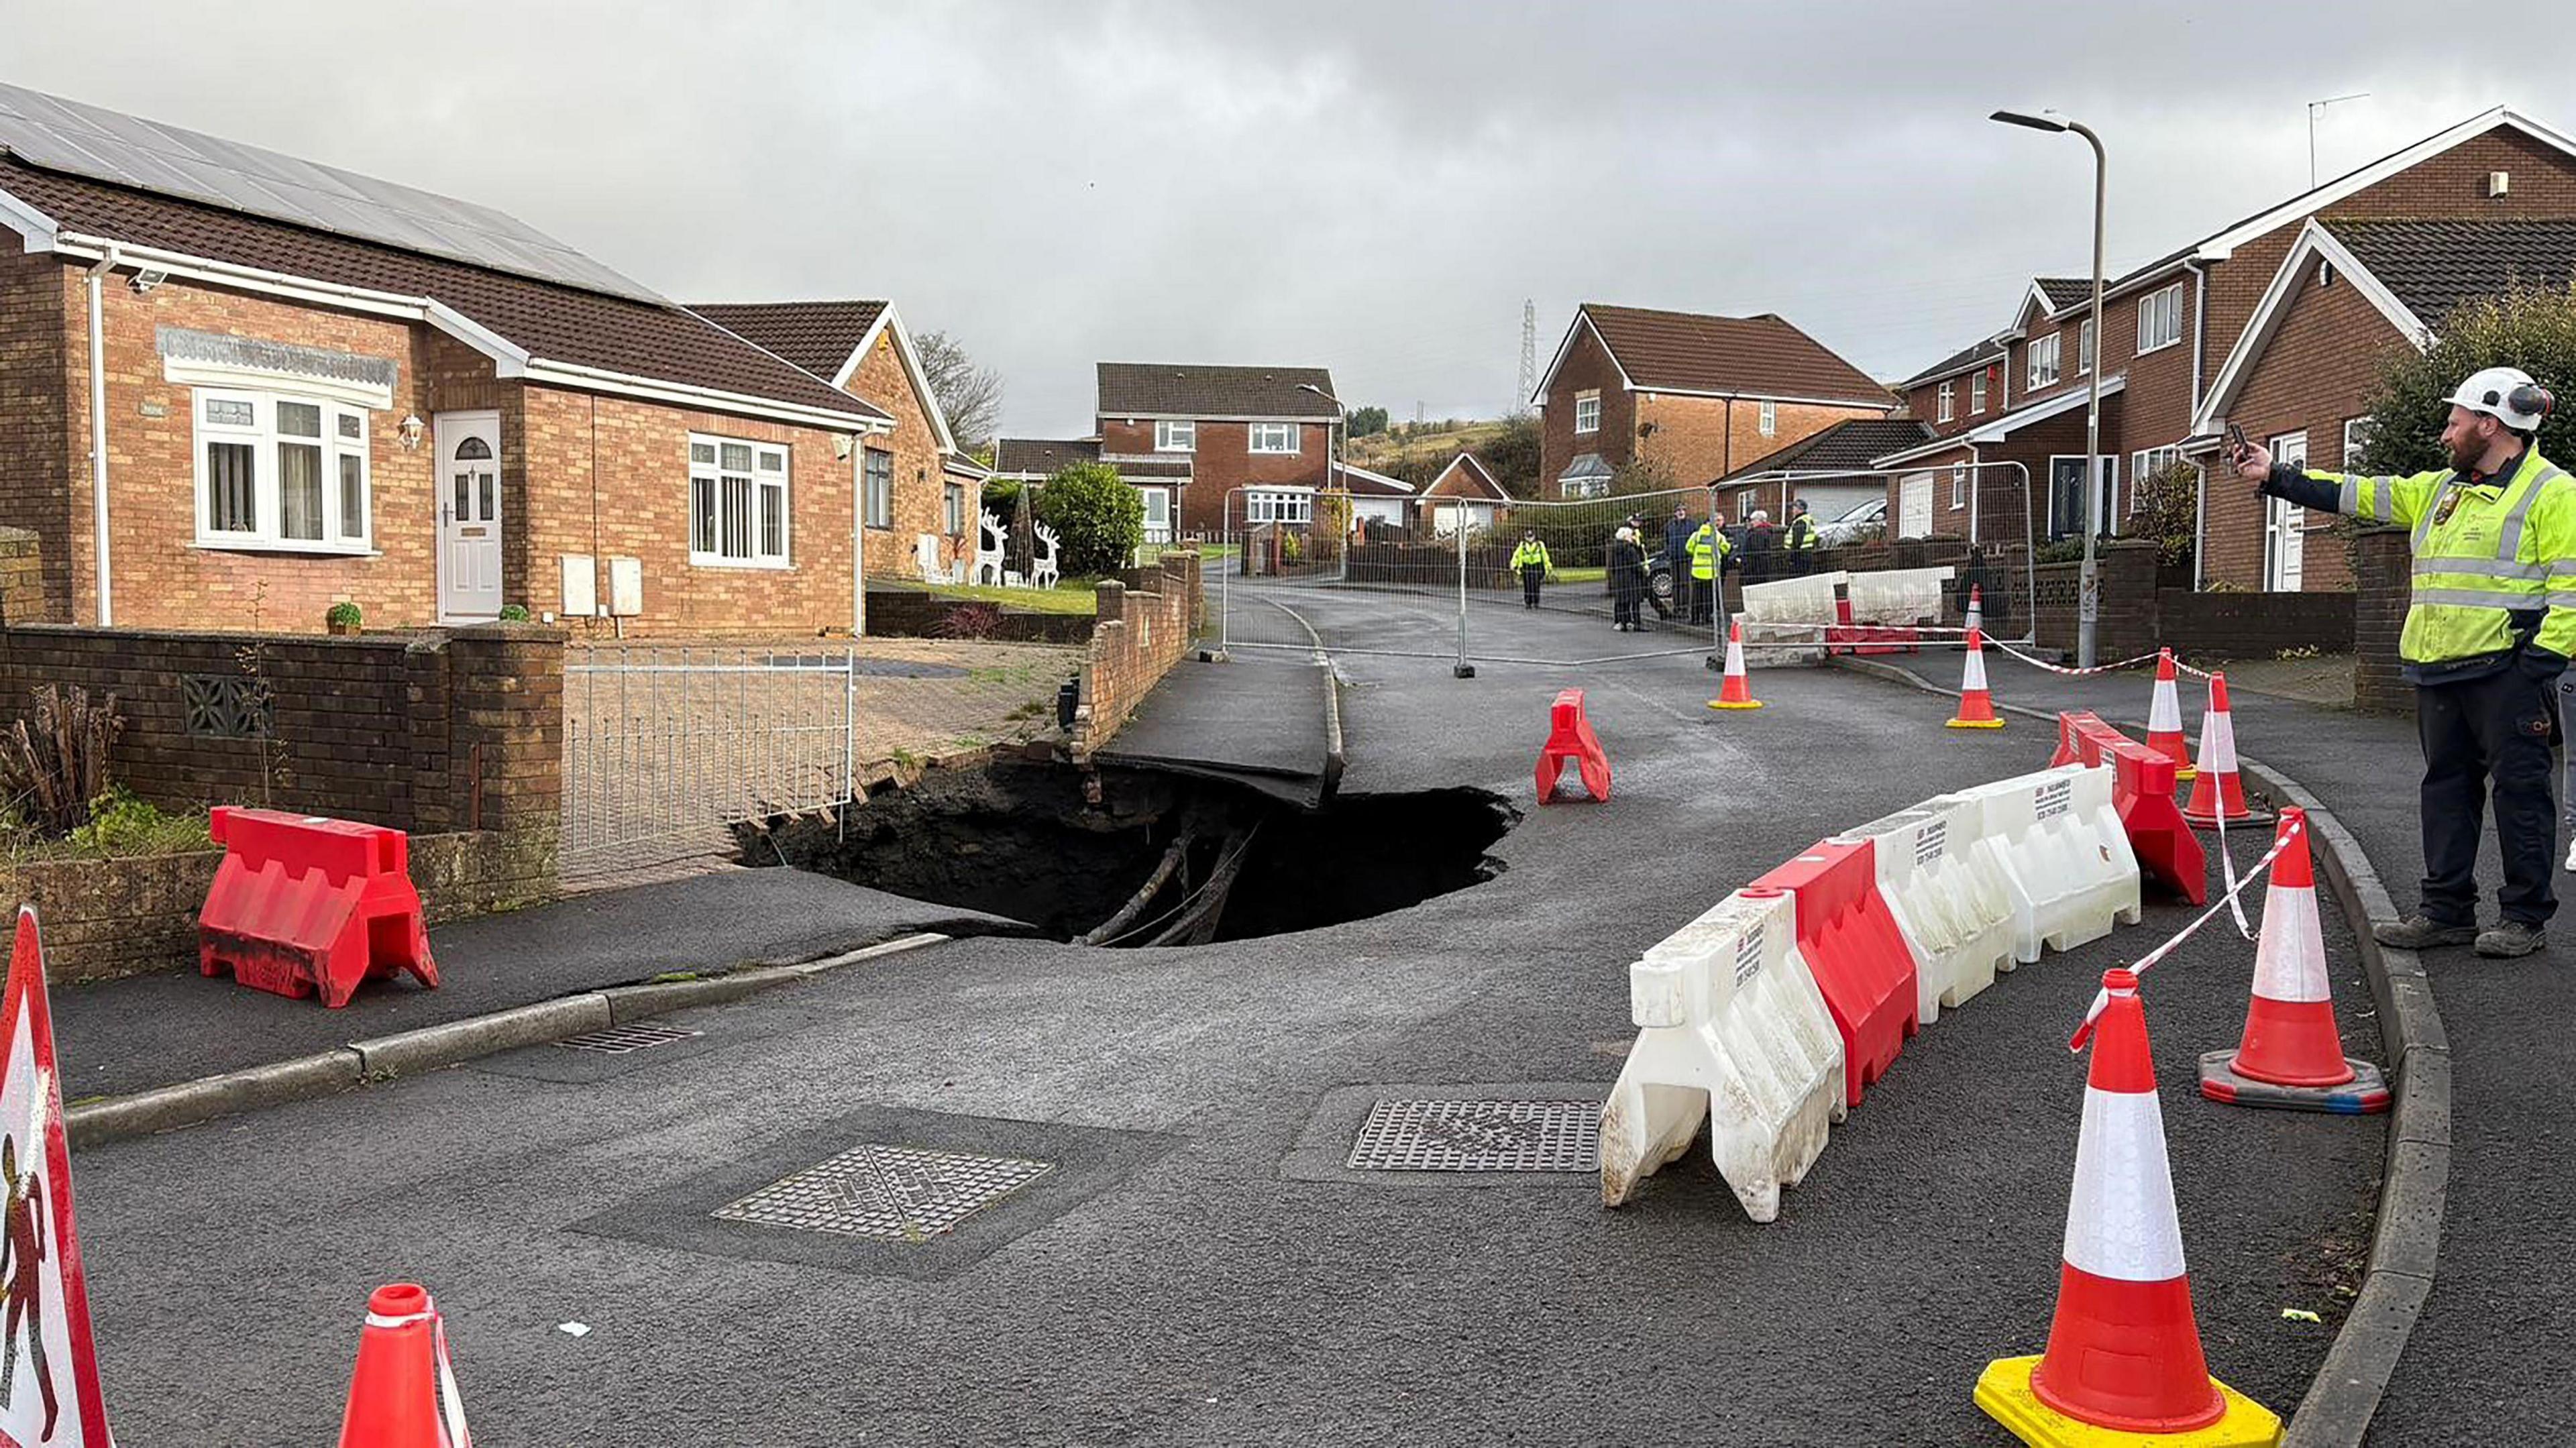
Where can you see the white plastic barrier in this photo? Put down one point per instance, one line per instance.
(1897, 595)
(1951, 899)
(1731, 1028)
(1807, 600)
(2064, 855)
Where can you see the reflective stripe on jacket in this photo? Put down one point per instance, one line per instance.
(1705, 553)
(1529, 555)
(2493, 561)
(1802, 534)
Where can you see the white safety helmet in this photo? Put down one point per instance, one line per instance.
(2508, 395)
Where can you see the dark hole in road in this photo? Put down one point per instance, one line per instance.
(1159, 859)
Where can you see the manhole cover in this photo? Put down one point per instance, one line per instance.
(896, 1193)
(1479, 1136)
(618, 1040)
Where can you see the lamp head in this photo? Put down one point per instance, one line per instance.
(2044, 121)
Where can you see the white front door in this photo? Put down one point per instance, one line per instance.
(1158, 514)
(469, 515)
(2285, 524)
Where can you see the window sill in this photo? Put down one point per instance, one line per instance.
(750, 564)
(285, 549)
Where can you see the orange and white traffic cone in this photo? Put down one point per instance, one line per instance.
(2292, 1053)
(403, 1394)
(1976, 702)
(1737, 691)
(1976, 607)
(2164, 719)
(2218, 792)
(2124, 1353)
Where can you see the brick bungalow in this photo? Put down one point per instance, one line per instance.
(2015, 402)
(1186, 436)
(1694, 396)
(2350, 293)
(1465, 486)
(863, 348)
(1832, 471)
(239, 388)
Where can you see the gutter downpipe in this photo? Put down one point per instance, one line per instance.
(97, 274)
(2199, 336)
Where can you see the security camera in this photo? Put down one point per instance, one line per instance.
(146, 280)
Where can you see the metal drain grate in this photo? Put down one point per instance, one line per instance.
(891, 1193)
(1541, 1136)
(618, 1040)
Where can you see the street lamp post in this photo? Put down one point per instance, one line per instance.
(2088, 605)
(1336, 479)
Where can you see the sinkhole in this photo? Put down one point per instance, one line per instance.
(1155, 858)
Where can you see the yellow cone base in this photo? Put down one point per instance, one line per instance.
(2186, 773)
(1744, 704)
(1974, 724)
(2003, 1390)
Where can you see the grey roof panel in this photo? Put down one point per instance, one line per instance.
(104, 145)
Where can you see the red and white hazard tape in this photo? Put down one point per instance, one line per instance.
(2102, 999)
(2072, 672)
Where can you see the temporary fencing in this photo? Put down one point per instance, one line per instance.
(1731, 1029)
(1950, 900)
(2066, 861)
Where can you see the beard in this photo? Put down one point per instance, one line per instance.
(2465, 455)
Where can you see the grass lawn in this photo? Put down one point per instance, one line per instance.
(1578, 575)
(1070, 596)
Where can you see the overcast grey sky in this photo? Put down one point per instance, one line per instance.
(1374, 187)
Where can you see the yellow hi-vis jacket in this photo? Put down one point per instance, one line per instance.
(1530, 553)
(2492, 560)
(1705, 553)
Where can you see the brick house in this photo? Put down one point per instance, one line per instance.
(2349, 293)
(1831, 471)
(1466, 488)
(238, 387)
(1186, 436)
(1693, 396)
(863, 348)
(2014, 404)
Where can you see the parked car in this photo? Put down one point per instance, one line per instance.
(1853, 524)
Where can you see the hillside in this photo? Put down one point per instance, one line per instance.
(1509, 446)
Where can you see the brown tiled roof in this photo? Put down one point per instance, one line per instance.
(1043, 455)
(1847, 445)
(1360, 482)
(1989, 350)
(553, 323)
(817, 336)
(2065, 292)
(2433, 266)
(1466, 477)
(1760, 356)
(1160, 389)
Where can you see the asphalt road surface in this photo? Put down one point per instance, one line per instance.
(1195, 1266)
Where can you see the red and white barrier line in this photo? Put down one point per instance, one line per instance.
(2102, 999)
(2070, 671)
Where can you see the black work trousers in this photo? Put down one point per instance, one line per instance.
(1532, 575)
(2487, 735)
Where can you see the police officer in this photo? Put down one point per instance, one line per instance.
(1531, 562)
(2490, 628)
(1708, 549)
(1801, 542)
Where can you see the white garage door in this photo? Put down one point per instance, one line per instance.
(1914, 506)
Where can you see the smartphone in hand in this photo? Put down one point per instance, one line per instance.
(2237, 446)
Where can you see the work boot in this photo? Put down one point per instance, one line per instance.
(2571, 856)
(2422, 932)
(2510, 939)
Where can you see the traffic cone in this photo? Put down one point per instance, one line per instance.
(1737, 691)
(2292, 1054)
(403, 1395)
(2164, 719)
(2124, 1353)
(1976, 606)
(1976, 704)
(2217, 790)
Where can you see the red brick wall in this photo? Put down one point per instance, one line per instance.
(44, 440)
(1701, 438)
(920, 506)
(1588, 366)
(1138, 638)
(1924, 402)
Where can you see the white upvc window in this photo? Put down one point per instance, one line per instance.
(1265, 507)
(275, 472)
(1172, 436)
(1587, 412)
(2160, 318)
(2144, 465)
(2356, 436)
(956, 496)
(1274, 437)
(1743, 504)
(1959, 486)
(1587, 487)
(1977, 393)
(2084, 348)
(738, 502)
(2042, 357)
(1770, 418)
(1948, 400)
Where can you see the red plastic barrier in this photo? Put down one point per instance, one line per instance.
(2069, 749)
(1855, 950)
(2142, 792)
(1570, 737)
(1845, 637)
(303, 903)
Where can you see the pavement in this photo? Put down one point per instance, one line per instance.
(143, 1031)
(2490, 1358)
(1266, 721)
(1190, 1272)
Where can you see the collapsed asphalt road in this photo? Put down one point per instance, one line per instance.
(1196, 1267)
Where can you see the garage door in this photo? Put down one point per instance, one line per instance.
(1914, 506)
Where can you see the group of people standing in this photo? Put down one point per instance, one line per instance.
(1695, 552)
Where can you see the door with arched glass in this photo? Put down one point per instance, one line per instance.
(469, 516)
